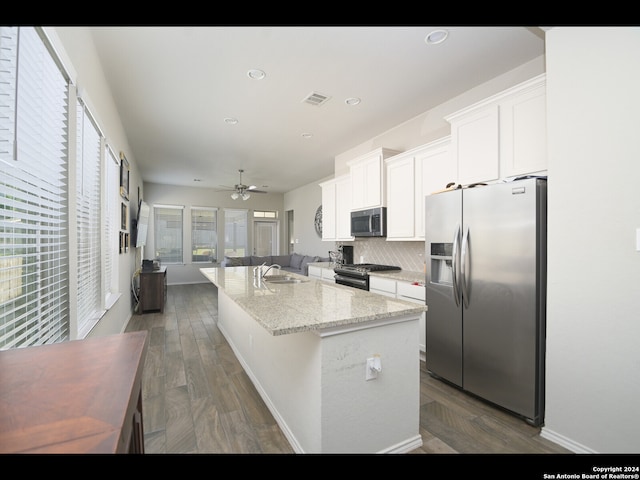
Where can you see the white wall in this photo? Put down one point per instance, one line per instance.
(204, 197)
(304, 202)
(593, 309)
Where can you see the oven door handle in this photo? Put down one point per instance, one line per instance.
(345, 280)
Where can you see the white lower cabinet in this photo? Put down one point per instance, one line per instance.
(325, 274)
(403, 291)
(382, 286)
(416, 294)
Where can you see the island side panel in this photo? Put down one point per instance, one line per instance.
(285, 370)
(372, 416)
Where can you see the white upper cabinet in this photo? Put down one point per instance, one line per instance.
(368, 179)
(410, 176)
(336, 209)
(501, 136)
(523, 129)
(400, 197)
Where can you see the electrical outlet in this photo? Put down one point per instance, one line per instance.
(374, 366)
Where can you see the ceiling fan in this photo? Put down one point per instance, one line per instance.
(240, 190)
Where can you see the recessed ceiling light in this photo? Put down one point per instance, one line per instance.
(352, 101)
(256, 74)
(231, 121)
(435, 37)
(307, 135)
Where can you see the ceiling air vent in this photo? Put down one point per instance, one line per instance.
(315, 98)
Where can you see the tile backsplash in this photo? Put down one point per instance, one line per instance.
(407, 255)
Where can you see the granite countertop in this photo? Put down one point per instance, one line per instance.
(401, 275)
(311, 305)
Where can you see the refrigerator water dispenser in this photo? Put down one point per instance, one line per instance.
(441, 263)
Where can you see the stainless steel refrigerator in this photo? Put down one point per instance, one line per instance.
(486, 292)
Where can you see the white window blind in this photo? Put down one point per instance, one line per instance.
(204, 234)
(33, 192)
(235, 232)
(88, 221)
(167, 221)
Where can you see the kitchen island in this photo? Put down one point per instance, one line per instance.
(306, 347)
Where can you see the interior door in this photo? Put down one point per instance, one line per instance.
(265, 238)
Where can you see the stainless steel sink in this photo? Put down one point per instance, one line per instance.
(283, 279)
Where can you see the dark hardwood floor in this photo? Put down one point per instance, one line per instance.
(198, 399)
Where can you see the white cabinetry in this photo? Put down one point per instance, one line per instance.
(404, 291)
(336, 209)
(416, 294)
(325, 274)
(368, 179)
(382, 286)
(410, 176)
(503, 135)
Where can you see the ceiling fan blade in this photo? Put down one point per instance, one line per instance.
(257, 191)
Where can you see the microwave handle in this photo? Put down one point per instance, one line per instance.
(370, 223)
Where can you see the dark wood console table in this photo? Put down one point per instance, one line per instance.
(81, 396)
(153, 290)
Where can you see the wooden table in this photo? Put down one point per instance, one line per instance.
(81, 396)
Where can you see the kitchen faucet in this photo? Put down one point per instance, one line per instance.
(269, 268)
(257, 271)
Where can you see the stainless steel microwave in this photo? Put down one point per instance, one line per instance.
(369, 223)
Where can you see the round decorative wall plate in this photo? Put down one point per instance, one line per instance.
(318, 221)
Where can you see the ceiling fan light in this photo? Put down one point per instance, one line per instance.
(234, 195)
(245, 196)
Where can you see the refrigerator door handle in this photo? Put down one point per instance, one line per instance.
(455, 266)
(464, 268)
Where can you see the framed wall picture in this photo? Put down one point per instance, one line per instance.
(126, 242)
(121, 243)
(124, 176)
(123, 216)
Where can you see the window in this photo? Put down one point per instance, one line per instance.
(168, 233)
(264, 214)
(235, 233)
(34, 263)
(204, 234)
(88, 224)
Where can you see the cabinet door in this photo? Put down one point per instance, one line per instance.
(400, 198)
(382, 286)
(366, 182)
(328, 211)
(475, 145)
(523, 132)
(435, 168)
(415, 294)
(315, 272)
(343, 208)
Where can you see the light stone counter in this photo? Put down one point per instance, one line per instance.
(401, 275)
(311, 305)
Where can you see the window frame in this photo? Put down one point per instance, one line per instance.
(227, 251)
(157, 236)
(213, 256)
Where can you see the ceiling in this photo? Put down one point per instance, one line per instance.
(175, 86)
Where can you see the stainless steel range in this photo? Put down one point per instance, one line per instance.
(357, 274)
